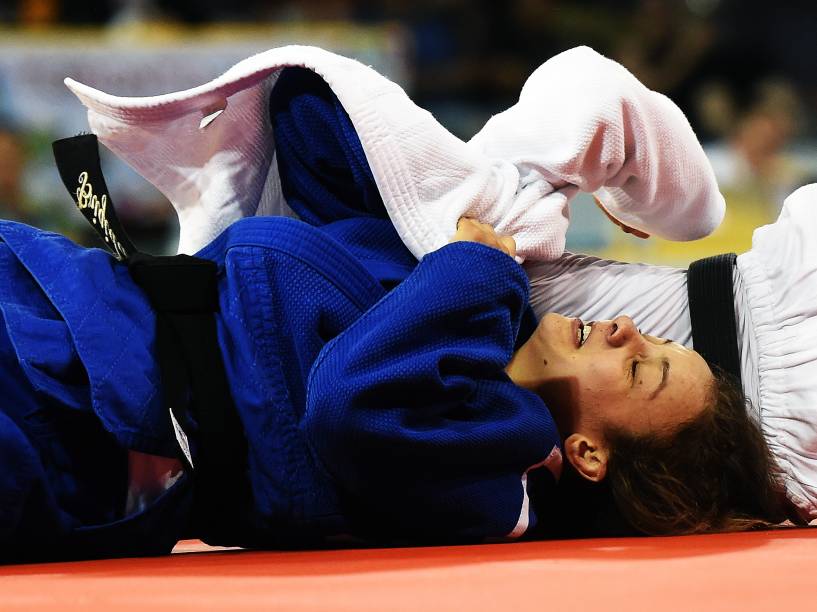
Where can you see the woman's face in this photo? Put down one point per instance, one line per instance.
(613, 377)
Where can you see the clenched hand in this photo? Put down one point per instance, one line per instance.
(471, 230)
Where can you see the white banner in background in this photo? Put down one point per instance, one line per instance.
(32, 67)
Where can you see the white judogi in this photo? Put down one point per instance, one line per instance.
(582, 122)
(775, 287)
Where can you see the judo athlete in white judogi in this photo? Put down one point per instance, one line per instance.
(774, 292)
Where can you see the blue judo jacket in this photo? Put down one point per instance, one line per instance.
(375, 413)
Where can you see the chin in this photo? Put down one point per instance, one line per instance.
(551, 327)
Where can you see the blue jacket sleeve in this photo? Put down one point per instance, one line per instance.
(410, 412)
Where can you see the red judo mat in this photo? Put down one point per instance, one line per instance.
(748, 571)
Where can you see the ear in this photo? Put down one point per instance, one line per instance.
(587, 456)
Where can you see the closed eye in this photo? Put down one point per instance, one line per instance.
(633, 372)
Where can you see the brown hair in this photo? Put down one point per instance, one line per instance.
(714, 473)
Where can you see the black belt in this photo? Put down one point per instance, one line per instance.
(712, 311)
(183, 293)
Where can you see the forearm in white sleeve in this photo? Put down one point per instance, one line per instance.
(583, 122)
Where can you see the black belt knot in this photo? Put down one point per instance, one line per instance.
(712, 312)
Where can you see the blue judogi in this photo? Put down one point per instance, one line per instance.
(376, 412)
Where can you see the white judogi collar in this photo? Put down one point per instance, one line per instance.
(582, 123)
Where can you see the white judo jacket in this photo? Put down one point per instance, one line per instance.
(582, 123)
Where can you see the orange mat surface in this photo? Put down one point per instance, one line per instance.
(755, 571)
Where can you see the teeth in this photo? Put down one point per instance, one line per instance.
(584, 332)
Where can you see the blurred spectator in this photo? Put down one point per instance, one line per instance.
(12, 160)
(41, 13)
(754, 164)
(18, 202)
(714, 108)
(314, 10)
(38, 13)
(664, 44)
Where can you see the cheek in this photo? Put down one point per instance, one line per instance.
(590, 379)
(598, 377)
(602, 388)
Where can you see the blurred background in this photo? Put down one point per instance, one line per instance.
(744, 71)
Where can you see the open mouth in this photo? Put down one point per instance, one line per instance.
(582, 331)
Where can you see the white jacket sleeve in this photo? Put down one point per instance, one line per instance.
(584, 122)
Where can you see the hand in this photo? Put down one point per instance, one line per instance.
(624, 228)
(471, 230)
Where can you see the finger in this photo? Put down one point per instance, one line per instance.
(604, 209)
(487, 227)
(625, 228)
(469, 221)
(610, 216)
(466, 227)
(635, 232)
(508, 245)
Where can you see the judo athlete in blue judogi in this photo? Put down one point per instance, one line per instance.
(379, 432)
(379, 397)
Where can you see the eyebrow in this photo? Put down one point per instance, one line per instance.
(664, 378)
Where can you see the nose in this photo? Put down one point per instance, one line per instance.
(622, 331)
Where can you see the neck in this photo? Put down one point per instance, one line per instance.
(521, 368)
